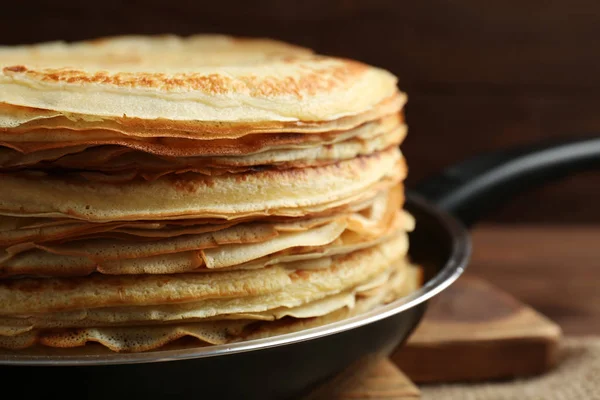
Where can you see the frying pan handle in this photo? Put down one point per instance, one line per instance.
(474, 186)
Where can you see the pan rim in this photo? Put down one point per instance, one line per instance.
(450, 272)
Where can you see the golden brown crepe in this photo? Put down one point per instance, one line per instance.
(209, 188)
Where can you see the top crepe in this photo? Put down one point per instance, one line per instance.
(201, 79)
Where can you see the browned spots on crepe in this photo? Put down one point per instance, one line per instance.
(307, 83)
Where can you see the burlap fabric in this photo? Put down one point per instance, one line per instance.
(576, 377)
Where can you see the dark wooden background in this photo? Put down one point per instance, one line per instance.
(480, 75)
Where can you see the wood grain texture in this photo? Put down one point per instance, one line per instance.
(379, 380)
(382, 381)
(475, 332)
(554, 269)
(479, 76)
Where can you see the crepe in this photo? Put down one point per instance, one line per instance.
(121, 154)
(400, 281)
(208, 188)
(29, 231)
(255, 85)
(286, 192)
(24, 296)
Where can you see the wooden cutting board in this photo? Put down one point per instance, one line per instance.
(473, 331)
(377, 379)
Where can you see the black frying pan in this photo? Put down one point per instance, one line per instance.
(293, 365)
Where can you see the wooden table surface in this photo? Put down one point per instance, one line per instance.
(555, 269)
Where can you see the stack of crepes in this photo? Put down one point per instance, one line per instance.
(164, 191)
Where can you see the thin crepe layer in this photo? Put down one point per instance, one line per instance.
(60, 139)
(279, 192)
(16, 119)
(299, 307)
(152, 337)
(118, 158)
(27, 296)
(22, 230)
(248, 85)
(362, 89)
(257, 243)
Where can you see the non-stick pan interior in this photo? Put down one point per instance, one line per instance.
(438, 240)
